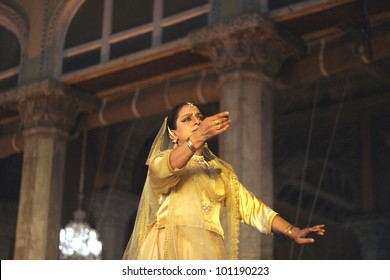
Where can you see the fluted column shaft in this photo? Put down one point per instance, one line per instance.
(48, 111)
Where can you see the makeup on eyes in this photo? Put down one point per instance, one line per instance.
(186, 117)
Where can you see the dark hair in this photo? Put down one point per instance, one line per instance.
(174, 113)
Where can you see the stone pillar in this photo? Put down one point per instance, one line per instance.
(247, 52)
(48, 111)
(248, 146)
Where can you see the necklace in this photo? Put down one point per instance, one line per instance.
(200, 160)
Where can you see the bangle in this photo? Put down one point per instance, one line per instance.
(190, 145)
(288, 231)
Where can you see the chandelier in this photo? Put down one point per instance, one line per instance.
(78, 240)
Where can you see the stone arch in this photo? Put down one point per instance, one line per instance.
(56, 33)
(13, 21)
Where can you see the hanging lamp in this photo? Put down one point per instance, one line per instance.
(78, 241)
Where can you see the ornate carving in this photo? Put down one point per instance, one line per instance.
(45, 20)
(239, 48)
(48, 103)
(48, 112)
(60, 8)
(247, 40)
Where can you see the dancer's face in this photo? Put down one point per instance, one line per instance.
(188, 121)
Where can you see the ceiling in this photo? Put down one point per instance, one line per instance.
(310, 23)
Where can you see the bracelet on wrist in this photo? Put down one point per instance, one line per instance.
(288, 232)
(190, 145)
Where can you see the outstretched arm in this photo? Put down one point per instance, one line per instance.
(280, 225)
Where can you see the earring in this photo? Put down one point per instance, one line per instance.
(173, 138)
(174, 143)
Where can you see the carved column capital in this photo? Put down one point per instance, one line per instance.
(248, 41)
(48, 104)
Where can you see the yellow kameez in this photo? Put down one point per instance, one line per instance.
(192, 213)
(190, 205)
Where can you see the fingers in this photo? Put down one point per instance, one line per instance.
(302, 239)
(214, 125)
(319, 229)
(305, 240)
(319, 226)
(221, 122)
(220, 115)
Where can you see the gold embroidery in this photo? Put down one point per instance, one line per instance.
(207, 207)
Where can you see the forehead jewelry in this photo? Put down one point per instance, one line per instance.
(191, 105)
